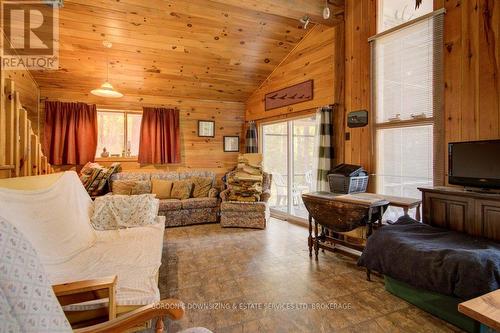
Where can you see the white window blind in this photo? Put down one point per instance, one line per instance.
(407, 100)
(405, 64)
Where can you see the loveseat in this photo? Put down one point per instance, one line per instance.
(179, 212)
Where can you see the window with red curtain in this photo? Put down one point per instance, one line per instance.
(160, 136)
(70, 132)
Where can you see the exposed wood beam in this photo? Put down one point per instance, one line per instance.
(294, 9)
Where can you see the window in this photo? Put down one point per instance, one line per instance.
(395, 12)
(288, 149)
(407, 91)
(118, 132)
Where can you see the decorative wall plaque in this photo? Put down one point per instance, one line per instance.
(297, 93)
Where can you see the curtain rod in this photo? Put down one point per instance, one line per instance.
(407, 24)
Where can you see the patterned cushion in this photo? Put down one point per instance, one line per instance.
(28, 302)
(131, 187)
(95, 177)
(201, 186)
(112, 212)
(243, 206)
(131, 176)
(167, 175)
(181, 189)
(170, 204)
(162, 188)
(198, 173)
(193, 203)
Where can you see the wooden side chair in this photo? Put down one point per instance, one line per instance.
(28, 302)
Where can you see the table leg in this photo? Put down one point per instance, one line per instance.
(310, 239)
(405, 210)
(370, 227)
(316, 239)
(417, 215)
(380, 218)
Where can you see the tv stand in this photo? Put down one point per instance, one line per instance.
(481, 190)
(454, 208)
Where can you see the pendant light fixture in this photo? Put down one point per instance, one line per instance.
(326, 11)
(106, 89)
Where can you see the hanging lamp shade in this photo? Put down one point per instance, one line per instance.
(106, 90)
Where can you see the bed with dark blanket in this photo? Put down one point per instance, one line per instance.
(434, 259)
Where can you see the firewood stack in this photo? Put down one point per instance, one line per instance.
(245, 183)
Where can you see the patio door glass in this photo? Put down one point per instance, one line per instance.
(275, 154)
(304, 136)
(288, 149)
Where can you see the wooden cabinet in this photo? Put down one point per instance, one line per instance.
(474, 213)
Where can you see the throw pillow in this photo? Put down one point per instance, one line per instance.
(181, 189)
(141, 187)
(201, 186)
(162, 188)
(131, 187)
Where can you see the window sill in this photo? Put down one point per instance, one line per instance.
(116, 159)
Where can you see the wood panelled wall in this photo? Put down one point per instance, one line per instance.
(197, 152)
(360, 24)
(471, 72)
(319, 57)
(471, 69)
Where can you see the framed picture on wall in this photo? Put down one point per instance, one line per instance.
(231, 143)
(206, 128)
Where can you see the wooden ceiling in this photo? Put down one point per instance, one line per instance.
(219, 49)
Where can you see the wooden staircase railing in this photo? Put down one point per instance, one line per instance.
(20, 148)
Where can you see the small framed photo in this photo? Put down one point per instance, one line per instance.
(231, 143)
(206, 128)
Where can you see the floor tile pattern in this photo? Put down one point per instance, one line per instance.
(240, 280)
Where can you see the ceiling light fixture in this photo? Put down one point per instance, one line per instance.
(326, 11)
(106, 89)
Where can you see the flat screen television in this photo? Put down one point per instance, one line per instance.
(474, 164)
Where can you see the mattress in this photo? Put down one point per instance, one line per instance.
(133, 254)
(434, 259)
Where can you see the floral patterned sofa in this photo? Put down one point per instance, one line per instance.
(181, 212)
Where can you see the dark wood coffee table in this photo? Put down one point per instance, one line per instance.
(340, 213)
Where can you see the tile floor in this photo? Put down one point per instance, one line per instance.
(240, 280)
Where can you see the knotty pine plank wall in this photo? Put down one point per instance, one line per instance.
(319, 56)
(197, 152)
(471, 69)
(360, 24)
(471, 72)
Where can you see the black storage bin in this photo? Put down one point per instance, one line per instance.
(347, 178)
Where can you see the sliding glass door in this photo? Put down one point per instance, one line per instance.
(275, 154)
(289, 155)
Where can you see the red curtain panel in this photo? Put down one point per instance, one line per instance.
(160, 136)
(70, 132)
